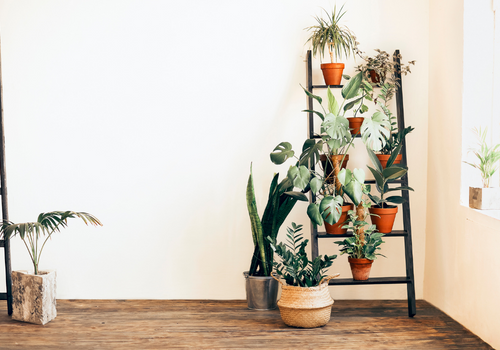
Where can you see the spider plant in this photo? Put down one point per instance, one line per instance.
(45, 225)
(328, 34)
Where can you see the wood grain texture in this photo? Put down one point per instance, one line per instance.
(202, 324)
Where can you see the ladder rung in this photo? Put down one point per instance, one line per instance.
(2, 243)
(3, 296)
(372, 280)
(325, 86)
(398, 181)
(395, 233)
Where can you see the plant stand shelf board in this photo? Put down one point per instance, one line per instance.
(409, 279)
(4, 243)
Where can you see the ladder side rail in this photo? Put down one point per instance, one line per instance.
(310, 121)
(406, 206)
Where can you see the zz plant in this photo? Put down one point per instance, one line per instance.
(295, 267)
(45, 225)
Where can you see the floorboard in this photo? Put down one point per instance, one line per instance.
(202, 324)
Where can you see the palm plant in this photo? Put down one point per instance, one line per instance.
(487, 156)
(46, 224)
(328, 34)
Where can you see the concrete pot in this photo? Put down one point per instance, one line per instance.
(34, 297)
(484, 198)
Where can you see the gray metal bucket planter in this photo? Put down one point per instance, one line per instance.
(34, 297)
(262, 292)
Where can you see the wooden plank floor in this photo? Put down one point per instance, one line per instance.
(201, 324)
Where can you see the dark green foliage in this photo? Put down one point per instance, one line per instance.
(295, 267)
(361, 246)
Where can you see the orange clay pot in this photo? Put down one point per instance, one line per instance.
(383, 158)
(374, 76)
(332, 72)
(336, 229)
(327, 166)
(385, 219)
(355, 124)
(360, 268)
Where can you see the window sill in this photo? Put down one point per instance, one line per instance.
(488, 218)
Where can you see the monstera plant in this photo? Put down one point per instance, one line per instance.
(334, 140)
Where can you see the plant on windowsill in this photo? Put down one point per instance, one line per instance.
(363, 245)
(34, 295)
(329, 35)
(385, 212)
(261, 288)
(305, 300)
(486, 197)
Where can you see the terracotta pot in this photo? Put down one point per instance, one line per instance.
(336, 229)
(332, 72)
(374, 77)
(355, 124)
(360, 268)
(327, 166)
(385, 219)
(383, 158)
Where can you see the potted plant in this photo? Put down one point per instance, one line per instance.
(363, 245)
(385, 213)
(261, 288)
(34, 294)
(305, 300)
(380, 69)
(334, 140)
(485, 197)
(339, 40)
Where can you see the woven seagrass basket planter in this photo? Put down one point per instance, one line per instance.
(306, 307)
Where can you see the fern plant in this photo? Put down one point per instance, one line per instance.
(295, 267)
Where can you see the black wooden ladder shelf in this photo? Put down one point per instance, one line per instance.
(406, 232)
(4, 243)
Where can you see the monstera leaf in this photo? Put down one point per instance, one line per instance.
(337, 127)
(281, 153)
(299, 175)
(331, 208)
(374, 131)
(314, 214)
(310, 150)
(352, 184)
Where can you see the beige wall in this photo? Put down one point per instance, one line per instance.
(148, 114)
(460, 267)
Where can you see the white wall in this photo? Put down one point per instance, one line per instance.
(460, 270)
(148, 114)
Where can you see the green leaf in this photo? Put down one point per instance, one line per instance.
(311, 150)
(331, 208)
(297, 195)
(351, 89)
(317, 98)
(345, 176)
(395, 199)
(393, 172)
(337, 127)
(351, 104)
(363, 109)
(374, 131)
(359, 175)
(333, 106)
(314, 214)
(374, 159)
(281, 153)
(316, 112)
(379, 178)
(316, 184)
(394, 154)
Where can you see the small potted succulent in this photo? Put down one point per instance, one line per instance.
(385, 213)
(34, 294)
(329, 35)
(305, 300)
(362, 246)
(485, 197)
(261, 288)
